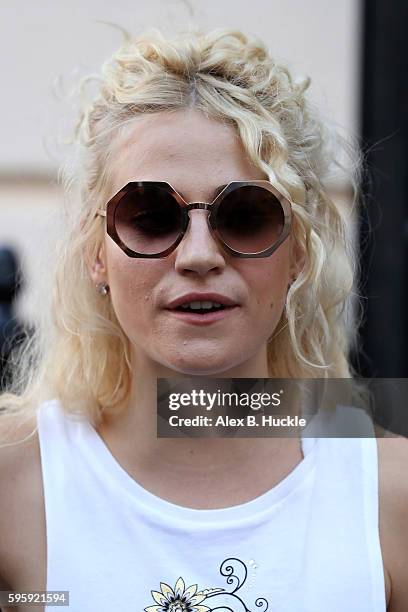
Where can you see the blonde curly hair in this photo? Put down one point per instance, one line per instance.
(79, 353)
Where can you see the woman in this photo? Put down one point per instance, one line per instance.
(94, 503)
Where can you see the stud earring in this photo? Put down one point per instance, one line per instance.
(102, 288)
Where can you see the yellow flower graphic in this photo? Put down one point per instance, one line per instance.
(178, 600)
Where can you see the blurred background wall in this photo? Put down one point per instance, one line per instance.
(47, 45)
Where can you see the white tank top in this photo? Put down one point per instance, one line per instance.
(310, 544)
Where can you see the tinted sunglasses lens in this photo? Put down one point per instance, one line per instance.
(250, 219)
(148, 220)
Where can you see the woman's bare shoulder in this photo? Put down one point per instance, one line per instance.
(393, 494)
(393, 466)
(393, 462)
(19, 459)
(19, 456)
(20, 467)
(18, 440)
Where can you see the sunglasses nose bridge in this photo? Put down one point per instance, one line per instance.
(199, 206)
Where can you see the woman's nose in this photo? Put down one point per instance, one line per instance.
(199, 251)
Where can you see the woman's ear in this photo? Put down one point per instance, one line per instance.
(97, 266)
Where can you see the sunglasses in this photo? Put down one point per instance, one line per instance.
(150, 218)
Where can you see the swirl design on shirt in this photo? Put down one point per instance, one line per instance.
(190, 599)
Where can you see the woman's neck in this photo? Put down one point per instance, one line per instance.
(132, 438)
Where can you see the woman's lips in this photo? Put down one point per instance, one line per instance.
(203, 319)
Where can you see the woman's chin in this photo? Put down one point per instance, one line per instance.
(214, 366)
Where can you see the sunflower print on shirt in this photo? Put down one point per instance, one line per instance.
(190, 599)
